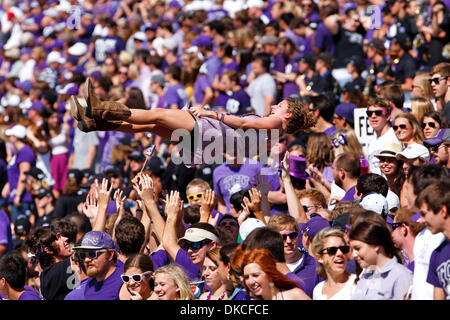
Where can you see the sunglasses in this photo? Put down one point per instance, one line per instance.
(378, 113)
(436, 80)
(401, 126)
(195, 196)
(91, 254)
(135, 277)
(195, 245)
(430, 124)
(395, 225)
(292, 235)
(433, 147)
(332, 250)
(306, 208)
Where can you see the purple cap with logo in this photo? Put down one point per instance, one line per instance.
(345, 110)
(202, 40)
(314, 225)
(96, 240)
(297, 167)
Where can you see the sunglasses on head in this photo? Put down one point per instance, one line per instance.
(400, 126)
(195, 196)
(292, 235)
(436, 80)
(378, 113)
(91, 254)
(135, 277)
(332, 250)
(195, 245)
(395, 225)
(430, 124)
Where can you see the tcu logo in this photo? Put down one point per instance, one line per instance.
(375, 16)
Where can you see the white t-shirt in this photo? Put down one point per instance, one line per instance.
(424, 245)
(375, 146)
(344, 294)
(257, 90)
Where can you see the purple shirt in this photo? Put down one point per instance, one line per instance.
(228, 180)
(324, 39)
(278, 63)
(229, 66)
(30, 294)
(107, 289)
(236, 103)
(176, 94)
(389, 282)
(306, 272)
(212, 65)
(160, 258)
(349, 195)
(25, 154)
(5, 231)
(78, 292)
(192, 271)
(200, 85)
(438, 271)
(330, 131)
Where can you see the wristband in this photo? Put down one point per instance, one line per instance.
(222, 117)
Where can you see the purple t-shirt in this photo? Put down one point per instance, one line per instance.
(438, 271)
(78, 292)
(160, 258)
(324, 39)
(25, 154)
(30, 294)
(192, 271)
(349, 195)
(306, 271)
(228, 180)
(229, 66)
(236, 103)
(200, 85)
(107, 289)
(278, 63)
(5, 231)
(176, 94)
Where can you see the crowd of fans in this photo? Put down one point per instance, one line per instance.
(92, 216)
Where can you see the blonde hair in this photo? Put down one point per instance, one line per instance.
(180, 278)
(352, 144)
(317, 245)
(280, 221)
(413, 122)
(420, 106)
(200, 183)
(424, 85)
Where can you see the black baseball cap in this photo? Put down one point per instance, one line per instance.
(36, 173)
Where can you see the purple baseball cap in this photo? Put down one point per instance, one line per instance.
(24, 85)
(297, 167)
(37, 105)
(314, 225)
(202, 40)
(175, 4)
(96, 240)
(443, 135)
(70, 89)
(345, 110)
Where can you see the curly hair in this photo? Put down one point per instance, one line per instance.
(301, 118)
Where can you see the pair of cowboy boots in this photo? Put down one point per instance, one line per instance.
(97, 115)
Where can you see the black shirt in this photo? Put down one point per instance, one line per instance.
(54, 280)
(405, 68)
(348, 43)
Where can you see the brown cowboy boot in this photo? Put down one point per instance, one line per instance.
(106, 110)
(87, 124)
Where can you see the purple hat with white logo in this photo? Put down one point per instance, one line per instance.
(314, 225)
(96, 240)
(297, 167)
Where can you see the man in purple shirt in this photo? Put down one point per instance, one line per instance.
(109, 43)
(434, 208)
(270, 46)
(176, 96)
(6, 242)
(232, 98)
(13, 275)
(346, 170)
(102, 266)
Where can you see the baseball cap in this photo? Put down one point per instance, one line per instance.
(414, 151)
(140, 36)
(78, 49)
(110, 169)
(158, 77)
(375, 202)
(75, 173)
(43, 192)
(36, 173)
(70, 89)
(18, 131)
(248, 226)
(314, 225)
(170, 44)
(55, 56)
(13, 100)
(307, 58)
(254, 4)
(443, 135)
(390, 149)
(96, 240)
(378, 44)
(196, 235)
(24, 85)
(137, 156)
(269, 39)
(357, 61)
(202, 40)
(345, 110)
(156, 166)
(22, 225)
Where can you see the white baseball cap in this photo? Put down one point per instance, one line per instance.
(414, 151)
(248, 226)
(375, 202)
(170, 44)
(55, 56)
(18, 131)
(13, 100)
(140, 36)
(78, 49)
(254, 3)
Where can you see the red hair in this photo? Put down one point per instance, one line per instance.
(267, 263)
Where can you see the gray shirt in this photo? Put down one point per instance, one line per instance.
(81, 143)
(257, 90)
(390, 282)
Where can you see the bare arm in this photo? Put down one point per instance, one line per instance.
(439, 294)
(24, 167)
(104, 194)
(332, 23)
(173, 212)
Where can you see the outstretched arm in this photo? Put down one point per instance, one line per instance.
(237, 122)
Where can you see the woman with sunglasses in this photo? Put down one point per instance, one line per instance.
(171, 283)
(331, 252)
(431, 123)
(383, 277)
(391, 167)
(407, 129)
(211, 274)
(137, 278)
(263, 281)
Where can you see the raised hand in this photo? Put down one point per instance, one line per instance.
(254, 203)
(104, 194)
(119, 200)
(208, 204)
(90, 206)
(173, 204)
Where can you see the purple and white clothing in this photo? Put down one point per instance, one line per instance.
(176, 94)
(236, 103)
(200, 85)
(30, 294)
(192, 271)
(439, 270)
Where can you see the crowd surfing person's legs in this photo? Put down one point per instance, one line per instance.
(110, 115)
